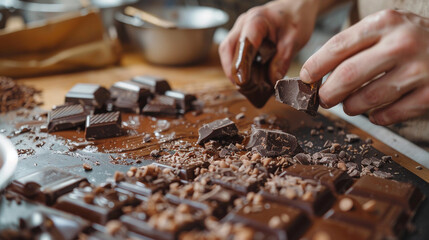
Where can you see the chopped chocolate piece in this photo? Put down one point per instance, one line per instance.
(273, 143)
(331, 230)
(383, 217)
(306, 195)
(222, 129)
(335, 179)
(382, 174)
(404, 194)
(88, 94)
(250, 73)
(46, 185)
(87, 167)
(299, 95)
(157, 85)
(106, 203)
(240, 116)
(130, 91)
(161, 105)
(183, 100)
(67, 117)
(103, 125)
(279, 221)
(351, 138)
(185, 171)
(302, 158)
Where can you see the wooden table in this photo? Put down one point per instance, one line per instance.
(207, 76)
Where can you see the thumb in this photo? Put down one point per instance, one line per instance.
(280, 63)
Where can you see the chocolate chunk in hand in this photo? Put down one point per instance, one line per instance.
(273, 143)
(299, 95)
(103, 125)
(92, 95)
(250, 71)
(66, 117)
(222, 129)
(46, 185)
(156, 85)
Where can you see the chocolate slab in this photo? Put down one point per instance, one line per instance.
(335, 179)
(103, 125)
(222, 129)
(404, 194)
(66, 117)
(161, 105)
(327, 229)
(250, 73)
(277, 220)
(46, 185)
(273, 143)
(389, 219)
(96, 204)
(299, 95)
(157, 85)
(183, 100)
(88, 94)
(129, 92)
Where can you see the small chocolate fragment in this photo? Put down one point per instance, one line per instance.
(156, 85)
(129, 95)
(66, 117)
(351, 138)
(46, 185)
(88, 94)
(273, 143)
(161, 105)
(183, 100)
(299, 95)
(404, 194)
(222, 129)
(250, 71)
(103, 125)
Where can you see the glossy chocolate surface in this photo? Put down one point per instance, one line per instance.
(157, 85)
(66, 117)
(88, 94)
(103, 125)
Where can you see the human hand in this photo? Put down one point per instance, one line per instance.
(380, 64)
(286, 23)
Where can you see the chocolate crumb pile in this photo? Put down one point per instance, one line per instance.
(14, 96)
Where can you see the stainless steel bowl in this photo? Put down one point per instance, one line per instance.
(8, 161)
(189, 43)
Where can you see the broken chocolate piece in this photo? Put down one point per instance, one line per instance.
(273, 143)
(156, 85)
(250, 73)
(46, 185)
(103, 125)
(222, 129)
(88, 94)
(66, 117)
(299, 95)
(129, 94)
(183, 100)
(161, 105)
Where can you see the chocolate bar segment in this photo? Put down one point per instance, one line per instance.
(96, 204)
(404, 194)
(88, 94)
(273, 143)
(129, 94)
(103, 125)
(328, 229)
(222, 129)
(161, 105)
(335, 179)
(156, 85)
(183, 100)
(46, 185)
(66, 117)
(381, 216)
(299, 95)
(250, 71)
(277, 220)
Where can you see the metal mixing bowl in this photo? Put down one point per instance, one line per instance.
(8, 161)
(189, 43)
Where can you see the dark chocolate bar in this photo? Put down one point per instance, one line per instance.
(328, 229)
(183, 100)
(161, 105)
(299, 95)
(333, 178)
(222, 129)
(96, 204)
(250, 71)
(128, 93)
(273, 143)
(404, 194)
(157, 85)
(88, 94)
(46, 185)
(66, 117)
(103, 125)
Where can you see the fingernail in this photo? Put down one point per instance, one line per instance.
(279, 75)
(322, 103)
(305, 77)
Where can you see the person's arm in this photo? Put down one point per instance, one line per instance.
(391, 47)
(288, 23)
